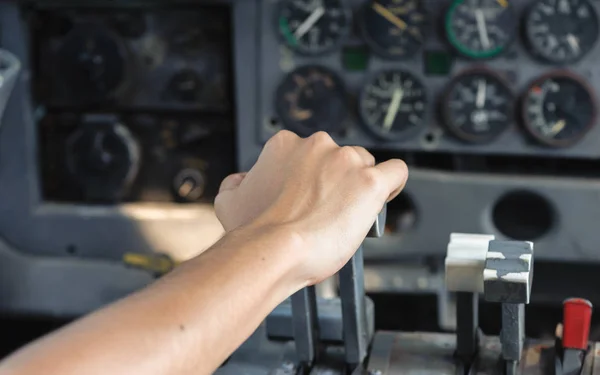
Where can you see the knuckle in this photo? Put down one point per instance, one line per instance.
(348, 153)
(320, 138)
(281, 137)
(372, 179)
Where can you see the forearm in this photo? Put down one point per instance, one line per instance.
(187, 323)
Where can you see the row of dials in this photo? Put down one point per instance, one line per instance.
(478, 105)
(558, 31)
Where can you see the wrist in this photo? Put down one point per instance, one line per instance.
(278, 250)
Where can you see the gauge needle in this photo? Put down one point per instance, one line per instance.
(385, 13)
(392, 112)
(481, 93)
(482, 27)
(309, 22)
(573, 42)
(558, 127)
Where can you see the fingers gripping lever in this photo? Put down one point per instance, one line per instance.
(304, 311)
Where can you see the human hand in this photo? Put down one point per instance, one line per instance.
(326, 195)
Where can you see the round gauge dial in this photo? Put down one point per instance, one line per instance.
(562, 31)
(313, 26)
(480, 29)
(393, 104)
(559, 109)
(311, 99)
(92, 63)
(478, 106)
(394, 29)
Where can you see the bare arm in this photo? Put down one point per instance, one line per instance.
(187, 323)
(293, 220)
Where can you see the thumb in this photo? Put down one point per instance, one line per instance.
(232, 181)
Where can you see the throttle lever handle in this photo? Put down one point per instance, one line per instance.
(378, 227)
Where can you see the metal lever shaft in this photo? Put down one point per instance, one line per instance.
(352, 292)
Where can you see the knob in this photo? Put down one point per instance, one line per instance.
(186, 86)
(189, 185)
(103, 158)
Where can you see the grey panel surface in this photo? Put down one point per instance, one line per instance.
(62, 287)
(459, 202)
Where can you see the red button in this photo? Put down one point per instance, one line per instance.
(577, 317)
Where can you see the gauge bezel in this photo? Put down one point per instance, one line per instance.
(445, 109)
(299, 129)
(559, 143)
(548, 59)
(344, 35)
(375, 130)
(382, 52)
(465, 51)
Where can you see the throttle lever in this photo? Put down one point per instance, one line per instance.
(304, 310)
(352, 293)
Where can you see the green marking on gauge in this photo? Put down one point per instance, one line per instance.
(287, 33)
(453, 38)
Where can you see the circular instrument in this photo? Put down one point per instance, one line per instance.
(561, 31)
(311, 99)
(392, 104)
(92, 63)
(104, 159)
(559, 109)
(313, 26)
(394, 29)
(480, 29)
(478, 106)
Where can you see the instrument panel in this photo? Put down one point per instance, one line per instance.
(471, 76)
(135, 105)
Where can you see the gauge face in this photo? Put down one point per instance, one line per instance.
(393, 104)
(311, 99)
(313, 26)
(559, 109)
(478, 106)
(92, 63)
(562, 31)
(480, 29)
(394, 29)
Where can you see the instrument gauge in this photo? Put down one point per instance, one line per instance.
(313, 27)
(562, 31)
(481, 29)
(394, 29)
(559, 109)
(311, 99)
(478, 106)
(393, 104)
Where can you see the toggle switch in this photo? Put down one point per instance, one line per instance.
(577, 317)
